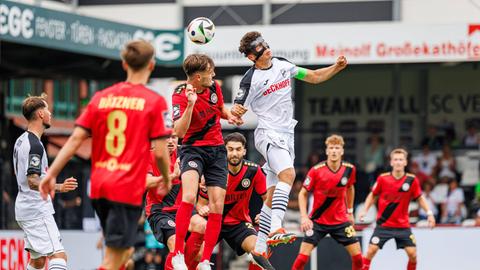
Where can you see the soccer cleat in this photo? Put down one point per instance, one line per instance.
(261, 260)
(280, 236)
(178, 262)
(205, 265)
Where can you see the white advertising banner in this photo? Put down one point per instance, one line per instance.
(80, 247)
(440, 249)
(361, 43)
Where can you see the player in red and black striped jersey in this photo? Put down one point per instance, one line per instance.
(331, 183)
(123, 120)
(244, 177)
(197, 109)
(161, 208)
(394, 191)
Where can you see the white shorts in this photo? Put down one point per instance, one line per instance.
(42, 237)
(278, 150)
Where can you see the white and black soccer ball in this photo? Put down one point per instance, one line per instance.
(201, 30)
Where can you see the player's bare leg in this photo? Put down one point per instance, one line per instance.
(412, 258)
(216, 202)
(38, 263)
(371, 252)
(303, 256)
(115, 258)
(356, 254)
(279, 204)
(189, 194)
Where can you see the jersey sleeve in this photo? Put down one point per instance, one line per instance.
(179, 103)
(416, 189)
(85, 120)
(260, 182)
(158, 128)
(35, 159)
(377, 187)
(309, 180)
(291, 68)
(353, 177)
(244, 93)
(150, 165)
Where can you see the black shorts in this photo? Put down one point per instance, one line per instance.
(234, 235)
(209, 161)
(343, 233)
(119, 222)
(163, 225)
(403, 237)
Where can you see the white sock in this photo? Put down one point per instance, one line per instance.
(57, 264)
(29, 267)
(279, 204)
(264, 230)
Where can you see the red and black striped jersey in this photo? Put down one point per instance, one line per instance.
(240, 187)
(329, 192)
(171, 201)
(204, 129)
(394, 196)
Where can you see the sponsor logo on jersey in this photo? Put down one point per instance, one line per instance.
(277, 86)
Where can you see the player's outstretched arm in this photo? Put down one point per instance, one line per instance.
(47, 185)
(424, 205)
(306, 222)
(368, 203)
(322, 74)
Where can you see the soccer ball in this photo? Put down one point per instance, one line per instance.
(201, 30)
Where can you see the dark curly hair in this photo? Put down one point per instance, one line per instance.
(246, 40)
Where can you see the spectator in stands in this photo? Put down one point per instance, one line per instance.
(445, 167)
(426, 160)
(427, 193)
(472, 138)
(453, 208)
(433, 140)
(422, 177)
(373, 157)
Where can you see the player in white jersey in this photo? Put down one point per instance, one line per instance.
(266, 90)
(33, 214)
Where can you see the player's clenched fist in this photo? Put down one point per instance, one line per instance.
(238, 110)
(341, 62)
(69, 184)
(191, 94)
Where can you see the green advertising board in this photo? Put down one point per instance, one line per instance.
(70, 32)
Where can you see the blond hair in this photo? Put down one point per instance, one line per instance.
(335, 139)
(399, 151)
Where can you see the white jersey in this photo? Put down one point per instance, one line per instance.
(268, 93)
(29, 157)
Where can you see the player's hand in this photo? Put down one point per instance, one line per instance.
(69, 184)
(257, 219)
(238, 110)
(351, 218)
(191, 94)
(153, 181)
(341, 62)
(203, 211)
(176, 169)
(431, 221)
(362, 215)
(235, 120)
(47, 186)
(306, 224)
